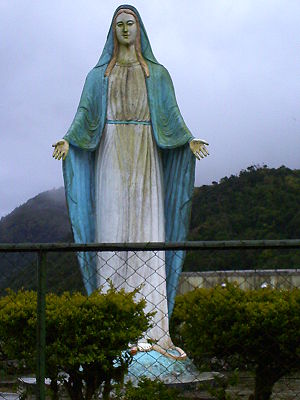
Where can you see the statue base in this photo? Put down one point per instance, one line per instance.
(154, 365)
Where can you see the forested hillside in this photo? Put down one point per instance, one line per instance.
(259, 203)
(43, 218)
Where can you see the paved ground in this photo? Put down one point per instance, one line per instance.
(8, 396)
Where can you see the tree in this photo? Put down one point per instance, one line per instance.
(258, 329)
(87, 337)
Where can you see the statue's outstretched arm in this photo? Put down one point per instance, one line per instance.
(61, 149)
(198, 147)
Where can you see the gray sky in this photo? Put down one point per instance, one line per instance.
(235, 66)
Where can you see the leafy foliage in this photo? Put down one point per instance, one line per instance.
(260, 203)
(257, 329)
(87, 337)
(149, 390)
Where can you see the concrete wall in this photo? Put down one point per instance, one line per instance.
(248, 279)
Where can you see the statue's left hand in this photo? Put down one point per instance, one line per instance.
(198, 148)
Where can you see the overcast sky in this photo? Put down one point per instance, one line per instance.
(235, 66)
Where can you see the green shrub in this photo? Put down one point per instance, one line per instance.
(258, 329)
(86, 336)
(149, 390)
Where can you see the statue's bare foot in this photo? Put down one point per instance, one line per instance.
(140, 346)
(144, 346)
(174, 352)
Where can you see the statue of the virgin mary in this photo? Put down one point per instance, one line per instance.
(129, 162)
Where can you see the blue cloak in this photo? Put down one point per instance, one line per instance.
(172, 137)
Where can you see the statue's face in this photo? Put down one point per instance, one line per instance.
(126, 29)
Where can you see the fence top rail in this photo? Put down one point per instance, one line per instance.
(195, 245)
(243, 272)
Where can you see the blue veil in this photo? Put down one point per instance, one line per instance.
(172, 137)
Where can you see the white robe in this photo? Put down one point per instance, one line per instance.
(129, 198)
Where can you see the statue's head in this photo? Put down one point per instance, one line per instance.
(126, 28)
(126, 31)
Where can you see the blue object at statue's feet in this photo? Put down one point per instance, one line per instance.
(154, 365)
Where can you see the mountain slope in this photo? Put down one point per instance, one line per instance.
(43, 219)
(260, 203)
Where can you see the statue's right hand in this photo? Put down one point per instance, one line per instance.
(61, 149)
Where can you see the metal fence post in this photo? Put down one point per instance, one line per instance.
(41, 325)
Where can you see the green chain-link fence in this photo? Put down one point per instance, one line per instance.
(231, 324)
